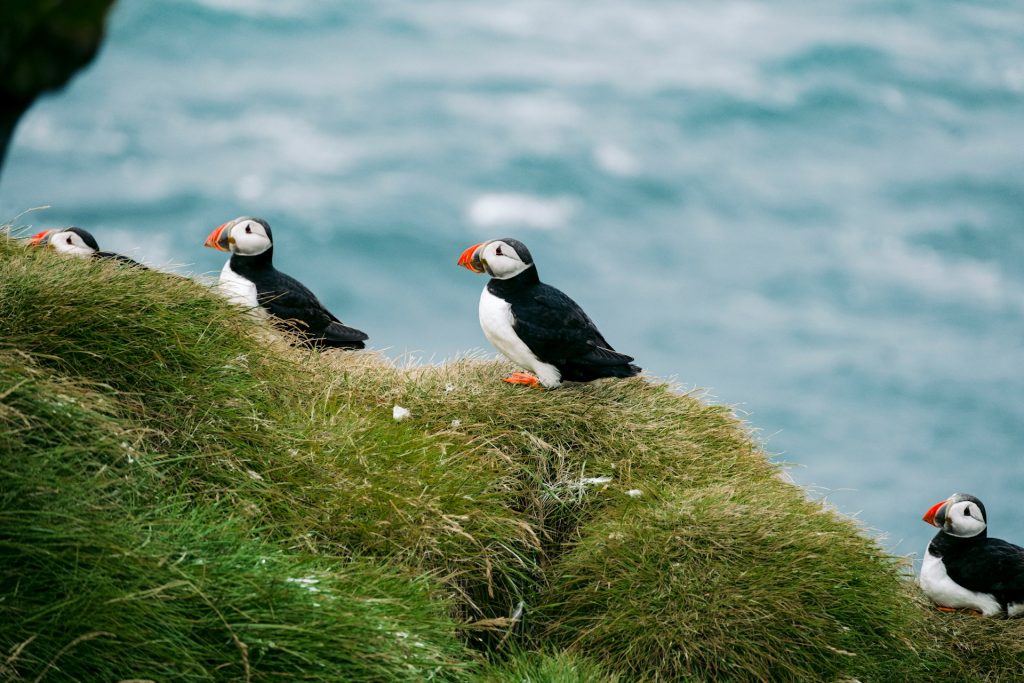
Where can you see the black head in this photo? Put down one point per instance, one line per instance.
(961, 515)
(86, 236)
(70, 240)
(519, 248)
(243, 236)
(502, 259)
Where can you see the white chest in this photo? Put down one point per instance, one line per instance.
(945, 592)
(496, 321)
(236, 288)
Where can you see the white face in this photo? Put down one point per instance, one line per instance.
(501, 261)
(67, 242)
(963, 519)
(248, 238)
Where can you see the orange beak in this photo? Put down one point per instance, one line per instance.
(468, 259)
(219, 238)
(930, 515)
(40, 239)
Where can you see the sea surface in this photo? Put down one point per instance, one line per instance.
(813, 210)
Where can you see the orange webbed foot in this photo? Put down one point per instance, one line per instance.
(523, 378)
(964, 610)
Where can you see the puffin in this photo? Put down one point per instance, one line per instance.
(250, 279)
(964, 569)
(535, 325)
(78, 242)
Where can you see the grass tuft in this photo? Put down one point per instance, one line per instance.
(108, 575)
(187, 496)
(543, 667)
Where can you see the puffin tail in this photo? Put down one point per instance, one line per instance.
(340, 336)
(627, 370)
(579, 372)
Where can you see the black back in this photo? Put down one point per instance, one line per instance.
(294, 304)
(983, 565)
(120, 258)
(556, 329)
(91, 242)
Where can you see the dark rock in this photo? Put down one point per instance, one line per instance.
(42, 44)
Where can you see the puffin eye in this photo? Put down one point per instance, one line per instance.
(248, 228)
(68, 240)
(497, 252)
(967, 510)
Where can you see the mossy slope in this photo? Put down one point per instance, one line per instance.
(187, 496)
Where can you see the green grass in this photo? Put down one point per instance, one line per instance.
(109, 572)
(185, 496)
(544, 667)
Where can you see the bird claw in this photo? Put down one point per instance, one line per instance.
(523, 378)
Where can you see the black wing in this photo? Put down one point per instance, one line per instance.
(291, 301)
(997, 567)
(120, 258)
(558, 331)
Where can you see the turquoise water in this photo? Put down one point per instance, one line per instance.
(815, 210)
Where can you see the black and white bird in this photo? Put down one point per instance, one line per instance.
(250, 279)
(77, 242)
(536, 326)
(965, 569)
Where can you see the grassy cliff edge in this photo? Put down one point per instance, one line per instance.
(185, 496)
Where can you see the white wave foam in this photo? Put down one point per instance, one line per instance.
(45, 132)
(250, 187)
(155, 249)
(498, 209)
(257, 8)
(615, 160)
(962, 281)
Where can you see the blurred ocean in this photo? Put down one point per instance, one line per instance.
(814, 210)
